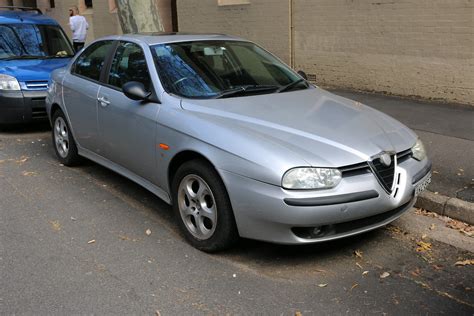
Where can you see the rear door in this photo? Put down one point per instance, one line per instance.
(127, 127)
(80, 88)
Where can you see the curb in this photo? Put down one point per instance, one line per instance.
(446, 206)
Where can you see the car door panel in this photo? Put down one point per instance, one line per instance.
(127, 128)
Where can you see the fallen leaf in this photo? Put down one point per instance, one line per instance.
(29, 173)
(365, 273)
(465, 262)
(437, 267)
(157, 313)
(358, 254)
(435, 172)
(91, 241)
(55, 225)
(423, 246)
(460, 169)
(354, 286)
(323, 285)
(298, 314)
(384, 275)
(432, 226)
(424, 236)
(148, 232)
(22, 159)
(357, 264)
(416, 272)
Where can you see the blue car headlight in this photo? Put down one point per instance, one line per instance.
(418, 150)
(311, 178)
(8, 83)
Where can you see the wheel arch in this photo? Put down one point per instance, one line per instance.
(182, 157)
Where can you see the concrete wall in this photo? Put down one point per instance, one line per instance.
(422, 48)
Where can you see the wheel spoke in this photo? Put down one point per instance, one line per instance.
(197, 207)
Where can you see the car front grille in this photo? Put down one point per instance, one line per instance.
(36, 85)
(385, 174)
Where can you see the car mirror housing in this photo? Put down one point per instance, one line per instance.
(136, 91)
(303, 74)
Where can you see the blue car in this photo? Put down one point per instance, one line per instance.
(32, 45)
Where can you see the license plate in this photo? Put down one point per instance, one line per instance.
(423, 185)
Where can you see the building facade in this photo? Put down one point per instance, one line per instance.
(421, 48)
(101, 15)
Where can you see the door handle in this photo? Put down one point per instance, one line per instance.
(103, 101)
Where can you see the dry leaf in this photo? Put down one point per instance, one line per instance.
(435, 172)
(29, 173)
(148, 232)
(358, 254)
(298, 314)
(365, 273)
(384, 275)
(423, 246)
(354, 286)
(91, 241)
(424, 236)
(465, 262)
(357, 264)
(432, 226)
(157, 313)
(55, 225)
(323, 285)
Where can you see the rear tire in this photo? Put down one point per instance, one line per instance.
(202, 207)
(63, 141)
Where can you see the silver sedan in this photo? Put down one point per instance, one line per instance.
(236, 141)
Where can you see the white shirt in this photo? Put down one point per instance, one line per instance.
(79, 28)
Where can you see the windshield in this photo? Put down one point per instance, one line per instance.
(212, 69)
(33, 41)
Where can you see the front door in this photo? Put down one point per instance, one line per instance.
(80, 90)
(128, 128)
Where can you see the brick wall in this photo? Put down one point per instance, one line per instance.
(422, 48)
(263, 21)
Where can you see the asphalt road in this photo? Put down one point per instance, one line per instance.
(447, 130)
(73, 241)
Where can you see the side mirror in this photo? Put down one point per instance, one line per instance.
(303, 74)
(136, 91)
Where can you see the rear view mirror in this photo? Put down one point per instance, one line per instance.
(136, 91)
(303, 74)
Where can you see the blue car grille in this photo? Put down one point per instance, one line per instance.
(36, 85)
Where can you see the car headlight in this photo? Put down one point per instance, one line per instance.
(418, 150)
(311, 178)
(8, 83)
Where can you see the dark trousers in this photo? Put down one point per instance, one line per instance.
(78, 46)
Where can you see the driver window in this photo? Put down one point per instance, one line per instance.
(129, 64)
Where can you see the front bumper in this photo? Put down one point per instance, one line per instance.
(358, 204)
(22, 106)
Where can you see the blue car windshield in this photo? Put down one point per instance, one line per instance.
(213, 69)
(33, 41)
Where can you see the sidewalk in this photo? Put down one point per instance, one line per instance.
(447, 131)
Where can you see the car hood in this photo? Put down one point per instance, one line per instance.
(321, 128)
(31, 69)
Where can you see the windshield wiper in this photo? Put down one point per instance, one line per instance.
(290, 85)
(245, 90)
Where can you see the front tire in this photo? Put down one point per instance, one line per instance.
(202, 207)
(63, 141)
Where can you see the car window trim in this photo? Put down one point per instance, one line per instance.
(105, 82)
(73, 67)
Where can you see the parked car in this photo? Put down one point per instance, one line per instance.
(32, 45)
(235, 140)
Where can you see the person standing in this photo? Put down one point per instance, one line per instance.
(79, 28)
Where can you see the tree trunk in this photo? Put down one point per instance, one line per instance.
(139, 16)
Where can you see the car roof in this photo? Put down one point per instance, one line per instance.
(153, 38)
(8, 16)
